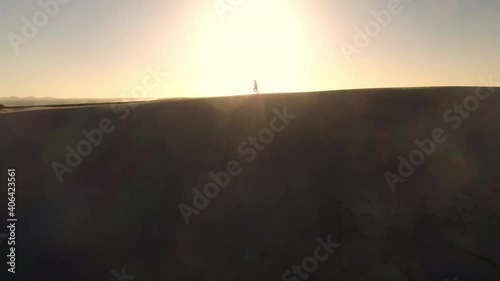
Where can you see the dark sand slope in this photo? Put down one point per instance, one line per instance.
(322, 175)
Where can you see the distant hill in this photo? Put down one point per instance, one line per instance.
(33, 101)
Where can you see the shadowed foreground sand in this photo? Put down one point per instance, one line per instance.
(321, 174)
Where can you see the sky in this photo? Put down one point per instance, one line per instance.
(125, 48)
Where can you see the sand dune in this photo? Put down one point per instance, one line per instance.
(265, 202)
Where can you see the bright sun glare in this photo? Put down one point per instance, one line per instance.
(258, 40)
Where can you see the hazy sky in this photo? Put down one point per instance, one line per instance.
(97, 48)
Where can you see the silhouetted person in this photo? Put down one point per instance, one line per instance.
(256, 87)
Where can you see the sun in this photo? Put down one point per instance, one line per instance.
(258, 40)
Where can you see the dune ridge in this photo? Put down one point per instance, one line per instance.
(321, 176)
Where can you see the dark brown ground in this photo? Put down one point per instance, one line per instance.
(323, 174)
